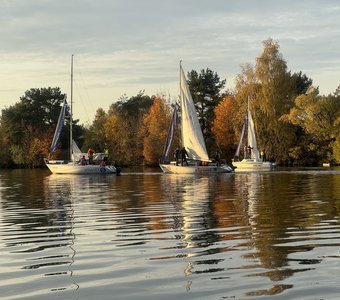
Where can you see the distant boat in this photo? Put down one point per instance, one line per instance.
(192, 139)
(251, 160)
(78, 164)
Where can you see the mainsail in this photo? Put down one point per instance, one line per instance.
(237, 154)
(251, 137)
(192, 137)
(59, 129)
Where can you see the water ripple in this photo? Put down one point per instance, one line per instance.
(233, 236)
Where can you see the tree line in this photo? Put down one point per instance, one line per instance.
(295, 125)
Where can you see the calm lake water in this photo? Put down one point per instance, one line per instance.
(273, 235)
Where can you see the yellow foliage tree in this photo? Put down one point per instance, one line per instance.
(156, 124)
(116, 130)
(319, 119)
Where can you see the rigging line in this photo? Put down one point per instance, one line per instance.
(80, 97)
(82, 83)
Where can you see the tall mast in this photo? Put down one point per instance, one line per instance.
(247, 122)
(181, 99)
(71, 112)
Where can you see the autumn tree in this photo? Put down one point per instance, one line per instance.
(116, 133)
(5, 157)
(226, 125)
(156, 124)
(272, 90)
(317, 117)
(275, 98)
(28, 125)
(336, 144)
(123, 128)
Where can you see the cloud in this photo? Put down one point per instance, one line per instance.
(126, 46)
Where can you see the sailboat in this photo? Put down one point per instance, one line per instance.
(77, 164)
(251, 160)
(192, 139)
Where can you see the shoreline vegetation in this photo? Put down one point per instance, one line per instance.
(296, 126)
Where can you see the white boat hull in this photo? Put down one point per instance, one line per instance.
(194, 169)
(71, 168)
(252, 165)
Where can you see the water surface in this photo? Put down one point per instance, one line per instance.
(147, 235)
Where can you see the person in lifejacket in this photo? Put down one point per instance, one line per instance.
(90, 155)
(83, 161)
(106, 155)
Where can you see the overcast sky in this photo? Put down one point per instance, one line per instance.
(124, 46)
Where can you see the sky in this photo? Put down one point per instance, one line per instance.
(122, 47)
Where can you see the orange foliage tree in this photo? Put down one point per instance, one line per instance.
(224, 124)
(155, 127)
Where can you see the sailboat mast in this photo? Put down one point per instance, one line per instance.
(247, 123)
(181, 101)
(71, 111)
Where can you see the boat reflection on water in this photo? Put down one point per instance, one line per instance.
(59, 190)
(226, 225)
(196, 235)
(264, 256)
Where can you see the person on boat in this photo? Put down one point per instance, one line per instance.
(263, 155)
(83, 161)
(218, 158)
(184, 155)
(176, 156)
(90, 155)
(245, 151)
(106, 155)
(248, 155)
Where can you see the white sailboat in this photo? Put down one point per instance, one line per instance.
(74, 165)
(251, 160)
(192, 139)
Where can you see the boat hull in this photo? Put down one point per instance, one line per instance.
(252, 165)
(193, 169)
(72, 168)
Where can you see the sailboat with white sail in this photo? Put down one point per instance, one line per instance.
(192, 139)
(251, 160)
(77, 164)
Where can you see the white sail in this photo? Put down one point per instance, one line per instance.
(251, 137)
(253, 162)
(238, 150)
(76, 152)
(192, 137)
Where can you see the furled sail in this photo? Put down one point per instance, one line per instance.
(171, 133)
(59, 128)
(192, 136)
